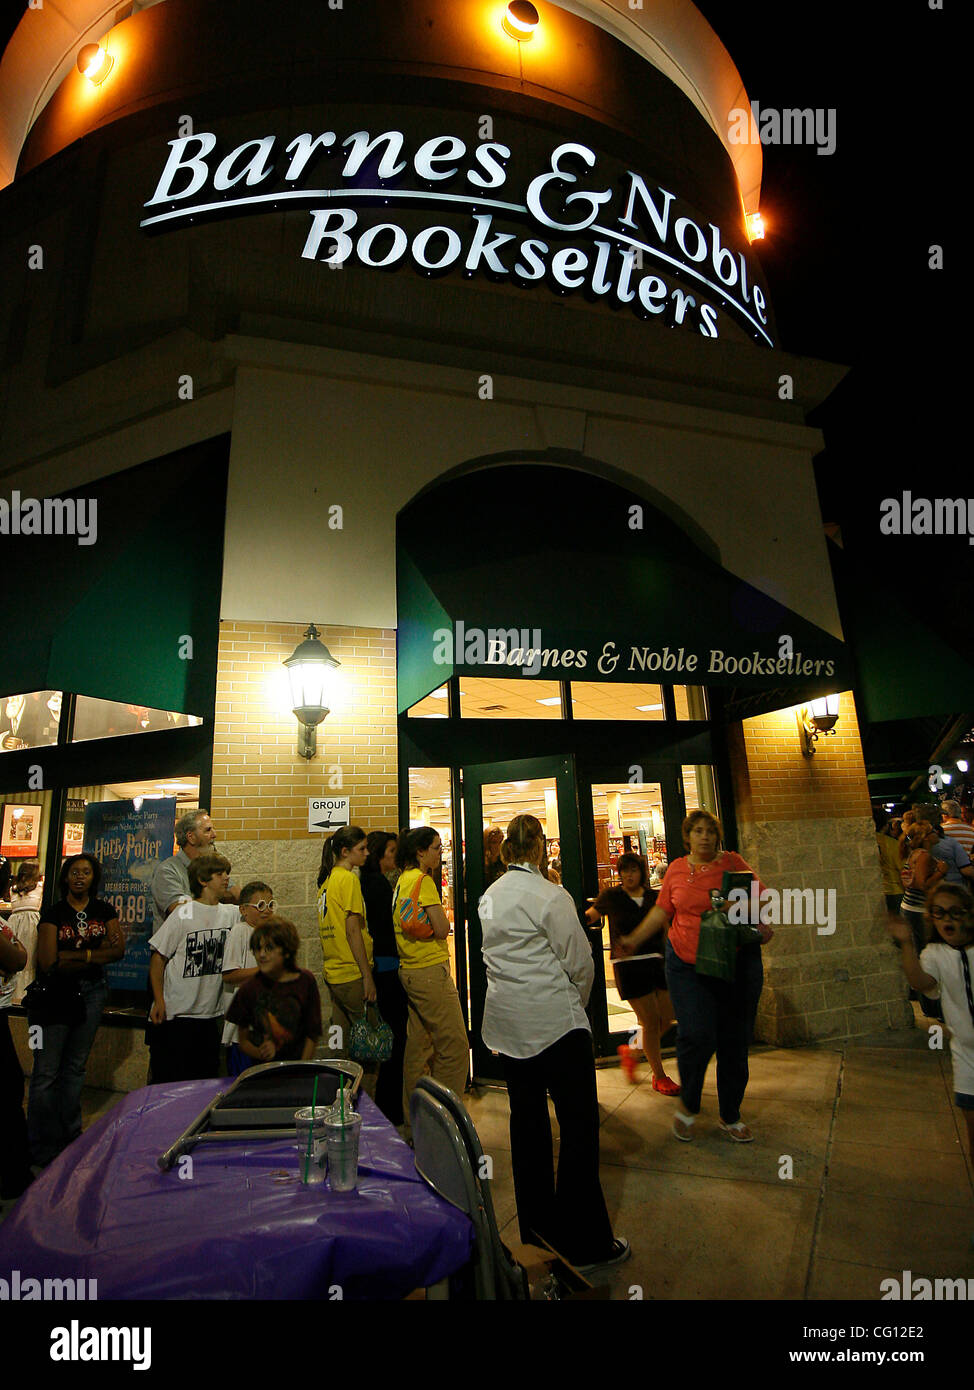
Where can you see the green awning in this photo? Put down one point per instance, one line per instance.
(134, 616)
(601, 581)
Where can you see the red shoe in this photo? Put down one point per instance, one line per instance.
(627, 1060)
(665, 1086)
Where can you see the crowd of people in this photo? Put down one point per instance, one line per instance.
(223, 968)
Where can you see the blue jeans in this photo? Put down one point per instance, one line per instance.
(714, 1016)
(54, 1103)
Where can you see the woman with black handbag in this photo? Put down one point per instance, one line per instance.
(76, 938)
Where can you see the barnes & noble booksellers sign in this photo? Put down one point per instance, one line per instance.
(625, 241)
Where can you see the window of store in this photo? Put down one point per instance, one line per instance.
(523, 698)
(29, 721)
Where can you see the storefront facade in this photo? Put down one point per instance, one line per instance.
(415, 328)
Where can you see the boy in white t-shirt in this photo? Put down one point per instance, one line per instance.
(240, 965)
(186, 977)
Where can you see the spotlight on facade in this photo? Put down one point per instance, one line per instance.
(311, 671)
(755, 227)
(815, 720)
(520, 20)
(95, 63)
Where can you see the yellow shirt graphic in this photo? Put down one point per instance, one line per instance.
(340, 894)
(416, 954)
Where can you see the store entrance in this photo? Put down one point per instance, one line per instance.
(493, 793)
(591, 816)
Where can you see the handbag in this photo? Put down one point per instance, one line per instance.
(370, 1038)
(413, 919)
(50, 999)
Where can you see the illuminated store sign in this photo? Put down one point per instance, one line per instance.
(636, 236)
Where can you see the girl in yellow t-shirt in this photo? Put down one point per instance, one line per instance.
(436, 1035)
(346, 945)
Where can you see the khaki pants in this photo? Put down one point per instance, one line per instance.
(435, 1027)
(348, 1004)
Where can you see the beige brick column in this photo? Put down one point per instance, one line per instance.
(805, 823)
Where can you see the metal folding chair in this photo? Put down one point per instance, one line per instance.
(261, 1102)
(449, 1157)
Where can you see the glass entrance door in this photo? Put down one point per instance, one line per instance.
(493, 793)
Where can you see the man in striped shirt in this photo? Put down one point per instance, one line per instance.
(956, 828)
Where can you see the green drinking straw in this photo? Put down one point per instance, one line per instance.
(341, 1100)
(311, 1129)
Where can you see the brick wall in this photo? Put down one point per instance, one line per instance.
(805, 823)
(771, 772)
(260, 784)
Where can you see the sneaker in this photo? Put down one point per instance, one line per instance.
(621, 1250)
(665, 1086)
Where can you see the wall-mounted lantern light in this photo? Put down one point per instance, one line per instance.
(755, 226)
(520, 20)
(95, 63)
(817, 719)
(311, 671)
(961, 764)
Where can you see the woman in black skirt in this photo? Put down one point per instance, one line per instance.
(640, 979)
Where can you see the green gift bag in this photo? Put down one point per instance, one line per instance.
(719, 940)
(717, 947)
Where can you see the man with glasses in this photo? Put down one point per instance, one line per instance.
(239, 964)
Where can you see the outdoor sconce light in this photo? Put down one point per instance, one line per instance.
(311, 669)
(95, 63)
(755, 226)
(520, 20)
(820, 717)
(961, 764)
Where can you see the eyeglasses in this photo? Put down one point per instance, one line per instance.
(956, 914)
(260, 905)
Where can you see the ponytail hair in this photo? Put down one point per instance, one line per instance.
(411, 845)
(525, 841)
(347, 838)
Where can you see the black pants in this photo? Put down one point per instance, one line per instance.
(394, 1008)
(569, 1214)
(185, 1049)
(14, 1153)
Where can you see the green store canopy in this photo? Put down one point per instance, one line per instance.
(578, 567)
(111, 619)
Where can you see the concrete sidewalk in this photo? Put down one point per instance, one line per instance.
(881, 1181)
(880, 1176)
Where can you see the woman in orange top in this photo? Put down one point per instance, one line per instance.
(712, 1015)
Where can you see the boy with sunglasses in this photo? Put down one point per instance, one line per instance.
(239, 965)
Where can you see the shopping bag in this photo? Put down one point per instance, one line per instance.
(717, 946)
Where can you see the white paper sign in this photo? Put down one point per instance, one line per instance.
(327, 812)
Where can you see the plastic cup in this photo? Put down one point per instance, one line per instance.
(303, 1124)
(342, 1144)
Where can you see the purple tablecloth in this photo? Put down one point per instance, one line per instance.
(104, 1211)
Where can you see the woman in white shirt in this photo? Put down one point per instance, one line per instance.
(539, 977)
(26, 890)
